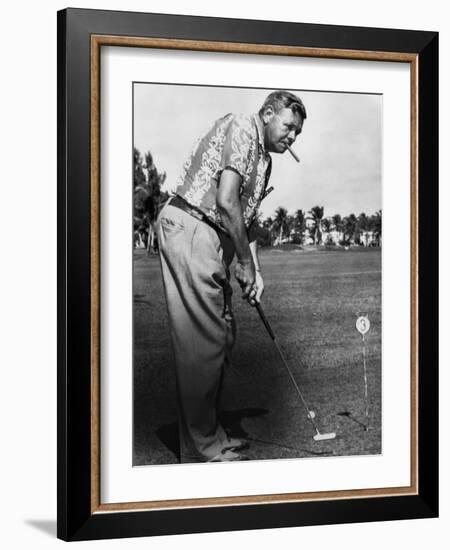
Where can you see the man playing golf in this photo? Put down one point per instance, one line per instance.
(207, 222)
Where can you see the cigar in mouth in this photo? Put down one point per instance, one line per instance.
(293, 154)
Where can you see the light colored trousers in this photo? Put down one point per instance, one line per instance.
(195, 261)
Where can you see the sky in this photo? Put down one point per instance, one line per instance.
(340, 146)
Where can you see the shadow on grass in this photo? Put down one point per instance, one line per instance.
(230, 420)
(289, 447)
(168, 435)
(350, 416)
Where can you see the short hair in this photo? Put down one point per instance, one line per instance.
(281, 99)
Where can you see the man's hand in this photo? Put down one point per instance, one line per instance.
(252, 286)
(259, 284)
(257, 290)
(245, 276)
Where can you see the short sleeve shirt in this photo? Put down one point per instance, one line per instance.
(234, 142)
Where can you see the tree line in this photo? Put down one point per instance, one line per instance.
(312, 227)
(301, 227)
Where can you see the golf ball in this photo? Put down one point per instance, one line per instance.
(312, 414)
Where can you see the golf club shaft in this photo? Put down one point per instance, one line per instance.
(265, 321)
(272, 335)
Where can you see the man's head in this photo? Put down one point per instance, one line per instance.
(282, 115)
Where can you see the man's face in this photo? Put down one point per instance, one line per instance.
(280, 129)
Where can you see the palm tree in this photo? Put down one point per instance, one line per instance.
(290, 226)
(363, 227)
(267, 224)
(337, 225)
(316, 216)
(325, 226)
(155, 181)
(147, 196)
(141, 194)
(349, 227)
(299, 225)
(375, 221)
(280, 222)
(138, 173)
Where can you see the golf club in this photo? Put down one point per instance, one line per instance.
(310, 414)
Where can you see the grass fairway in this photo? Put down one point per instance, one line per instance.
(312, 300)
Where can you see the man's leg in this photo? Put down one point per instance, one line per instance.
(194, 281)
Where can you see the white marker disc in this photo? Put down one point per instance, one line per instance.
(362, 325)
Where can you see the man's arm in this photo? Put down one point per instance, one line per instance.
(259, 283)
(229, 207)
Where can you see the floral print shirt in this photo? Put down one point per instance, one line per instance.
(234, 142)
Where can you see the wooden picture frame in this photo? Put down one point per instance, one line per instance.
(81, 35)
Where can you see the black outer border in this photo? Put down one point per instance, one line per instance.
(75, 521)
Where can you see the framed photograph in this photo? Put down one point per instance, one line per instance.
(247, 285)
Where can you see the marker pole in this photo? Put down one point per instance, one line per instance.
(363, 326)
(365, 383)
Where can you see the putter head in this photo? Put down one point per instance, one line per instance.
(323, 437)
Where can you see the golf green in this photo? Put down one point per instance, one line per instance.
(312, 299)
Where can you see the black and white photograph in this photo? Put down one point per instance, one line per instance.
(257, 271)
(223, 284)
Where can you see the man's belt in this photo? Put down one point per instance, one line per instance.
(180, 203)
